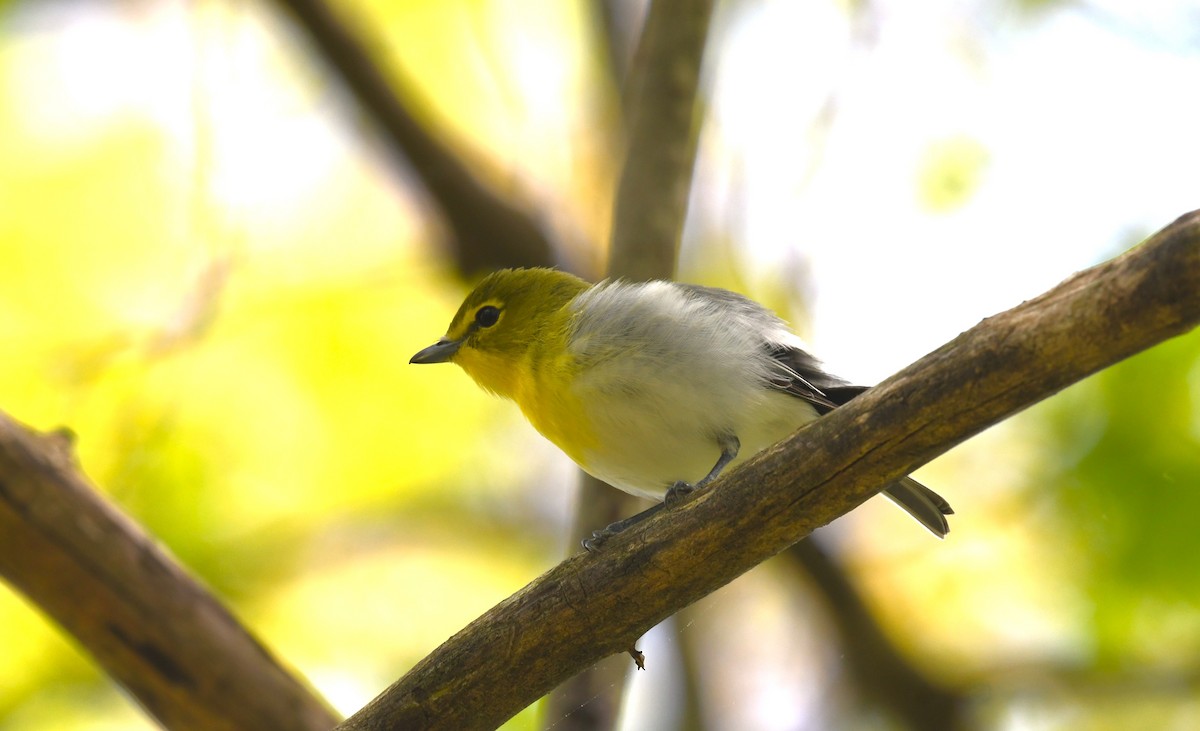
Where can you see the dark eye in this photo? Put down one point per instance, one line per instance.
(487, 316)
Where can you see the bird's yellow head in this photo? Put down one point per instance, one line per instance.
(509, 317)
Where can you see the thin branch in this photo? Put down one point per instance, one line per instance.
(152, 627)
(487, 232)
(612, 26)
(660, 99)
(648, 216)
(594, 605)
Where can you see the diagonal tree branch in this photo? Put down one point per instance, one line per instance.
(595, 605)
(486, 231)
(152, 627)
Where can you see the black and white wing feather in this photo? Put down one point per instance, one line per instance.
(826, 393)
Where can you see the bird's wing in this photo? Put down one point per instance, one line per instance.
(929, 508)
(787, 367)
(802, 376)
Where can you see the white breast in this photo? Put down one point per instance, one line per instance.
(665, 373)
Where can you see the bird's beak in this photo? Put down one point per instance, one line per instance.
(440, 352)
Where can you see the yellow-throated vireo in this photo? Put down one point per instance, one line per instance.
(652, 387)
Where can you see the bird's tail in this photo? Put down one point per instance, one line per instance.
(921, 503)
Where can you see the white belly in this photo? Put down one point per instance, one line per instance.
(665, 372)
(647, 446)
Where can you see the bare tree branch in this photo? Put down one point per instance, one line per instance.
(660, 102)
(648, 216)
(486, 232)
(614, 29)
(594, 605)
(152, 627)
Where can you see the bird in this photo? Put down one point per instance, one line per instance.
(654, 387)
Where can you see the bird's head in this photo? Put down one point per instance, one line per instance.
(508, 314)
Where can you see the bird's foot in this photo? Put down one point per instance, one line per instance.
(675, 495)
(677, 492)
(599, 538)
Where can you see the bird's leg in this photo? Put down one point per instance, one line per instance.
(730, 445)
(729, 450)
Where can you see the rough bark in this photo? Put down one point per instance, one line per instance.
(149, 624)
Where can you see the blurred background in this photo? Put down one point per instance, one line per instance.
(214, 266)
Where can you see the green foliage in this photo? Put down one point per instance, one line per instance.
(1127, 481)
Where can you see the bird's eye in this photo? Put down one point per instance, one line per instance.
(487, 316)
